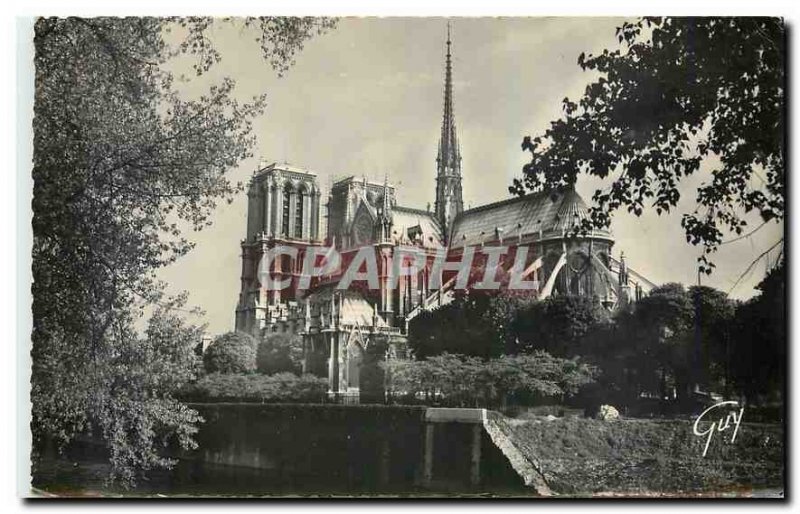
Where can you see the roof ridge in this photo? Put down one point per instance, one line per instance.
(503, 202)
(414, 210)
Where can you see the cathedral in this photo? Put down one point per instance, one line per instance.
(346, 333)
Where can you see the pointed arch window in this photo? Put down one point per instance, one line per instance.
(285, 222)
(298, 216)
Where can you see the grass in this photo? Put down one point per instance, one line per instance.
(580, 455)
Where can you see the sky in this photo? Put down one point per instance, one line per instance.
(366, 99)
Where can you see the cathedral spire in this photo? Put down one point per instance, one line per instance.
(449, 144)
(449, 201)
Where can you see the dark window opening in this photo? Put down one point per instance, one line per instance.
(298, 217)
(285, 223)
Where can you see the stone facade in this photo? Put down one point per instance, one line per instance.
(346, 333)
(283, 209)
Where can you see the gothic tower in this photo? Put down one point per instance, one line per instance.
(282, 210)
(449, 201)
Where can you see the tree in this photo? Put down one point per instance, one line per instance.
(558, 324)
(758, 338)
(135, 406)
(463, 380)
(122, 163)
(279, 353)
(713, 316)
(131, 403)
(477, 323)
(661, 327)
(461, 326)
(679, 339)
(233, 352)
(676, 92)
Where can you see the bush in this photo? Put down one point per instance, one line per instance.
(279, 353)
(234, 352)
(282, 387)
(459, 380)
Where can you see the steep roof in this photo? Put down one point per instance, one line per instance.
(548, 212)
(355, 309)
(405, 218)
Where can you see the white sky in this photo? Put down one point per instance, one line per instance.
(367, 99)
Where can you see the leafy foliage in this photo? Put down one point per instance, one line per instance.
(711, 345)
(280, 38)
(557, 324)
(475, 324)
(121, 162)
(454, 327)
(127, 400)
(233, 352)
(279, 353)
(664, 346)
(672, 340)
(758, 341)
(677, 92)
(463, 380)
(281, 387)
(489, 325)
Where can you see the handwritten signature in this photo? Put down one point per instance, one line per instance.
(721, 425)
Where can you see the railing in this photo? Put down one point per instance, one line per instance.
(350, 397)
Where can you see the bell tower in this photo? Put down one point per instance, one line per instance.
(449, 200)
